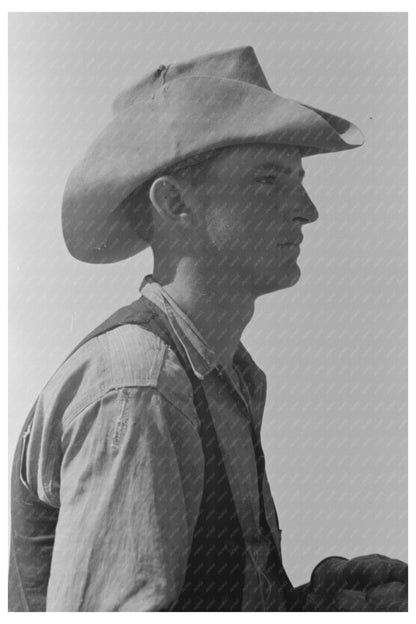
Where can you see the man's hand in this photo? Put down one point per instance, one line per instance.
(368, 583)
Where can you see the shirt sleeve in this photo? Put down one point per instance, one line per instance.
(131, 486)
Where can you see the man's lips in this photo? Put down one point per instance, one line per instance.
(291, 243)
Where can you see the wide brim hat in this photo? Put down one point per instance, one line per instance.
(174, 113)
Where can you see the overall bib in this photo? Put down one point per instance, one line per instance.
(214, 578)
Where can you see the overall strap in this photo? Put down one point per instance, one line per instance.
(274, 559)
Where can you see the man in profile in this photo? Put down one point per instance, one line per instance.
(139, 479)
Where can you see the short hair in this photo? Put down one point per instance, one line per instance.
(137, 206)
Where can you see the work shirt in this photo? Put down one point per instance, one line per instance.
(114, 445)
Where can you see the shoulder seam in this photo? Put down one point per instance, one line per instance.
(67, 421)
(100, 394)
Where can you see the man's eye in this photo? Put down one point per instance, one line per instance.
(270, 179)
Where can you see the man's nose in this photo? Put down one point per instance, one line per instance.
(306, 210)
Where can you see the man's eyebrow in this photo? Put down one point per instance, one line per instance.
(281, 169)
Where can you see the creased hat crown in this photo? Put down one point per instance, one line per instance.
(236, 64)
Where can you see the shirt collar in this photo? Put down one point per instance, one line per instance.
(201, 356)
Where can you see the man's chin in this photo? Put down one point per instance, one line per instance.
(278, 281)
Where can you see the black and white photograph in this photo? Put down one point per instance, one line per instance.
(208, 311)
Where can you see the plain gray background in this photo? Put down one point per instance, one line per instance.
(334, 346)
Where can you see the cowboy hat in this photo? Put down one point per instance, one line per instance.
(176, 112)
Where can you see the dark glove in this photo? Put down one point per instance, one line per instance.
(368, 583)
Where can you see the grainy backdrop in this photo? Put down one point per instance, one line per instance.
(334, 347)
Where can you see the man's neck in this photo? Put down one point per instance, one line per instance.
(218, 309)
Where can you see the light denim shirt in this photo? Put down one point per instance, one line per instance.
(114, 445)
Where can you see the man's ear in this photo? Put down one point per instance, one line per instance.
(166, 196)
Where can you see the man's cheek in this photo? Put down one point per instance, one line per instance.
(225, 230)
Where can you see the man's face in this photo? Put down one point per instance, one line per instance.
(254, 205)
